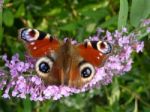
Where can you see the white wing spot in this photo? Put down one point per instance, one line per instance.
(98, 57)
(34, 48)
(100, 54)
(47, 36)
(89, 44)
(32, 43)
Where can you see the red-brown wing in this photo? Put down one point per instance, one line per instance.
(38, 43)
(95, 52)
(42, 47)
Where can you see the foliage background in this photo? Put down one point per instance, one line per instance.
(80, 19)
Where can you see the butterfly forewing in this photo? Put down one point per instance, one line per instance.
(38, 43)
(95, 52)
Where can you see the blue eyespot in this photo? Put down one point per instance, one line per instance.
(86, 72)
(44, 67)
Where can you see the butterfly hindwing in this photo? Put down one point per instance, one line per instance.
(38, 43)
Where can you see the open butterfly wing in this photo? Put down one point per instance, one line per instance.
(42, 47)
(95, 52)
(38, 43)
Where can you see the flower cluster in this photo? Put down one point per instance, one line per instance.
(146, 24)
(18, 79)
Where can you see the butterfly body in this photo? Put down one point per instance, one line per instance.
(64, 63)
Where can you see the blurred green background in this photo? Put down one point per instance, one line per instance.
(79, 19)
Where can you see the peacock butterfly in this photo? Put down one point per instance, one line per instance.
(63, 63)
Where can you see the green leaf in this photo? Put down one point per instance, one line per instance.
(1, 34)
(135, 106)
(97, 14)
(123, 14)
(27, 105)
(20, 11)
(8, 17)
(69, 27)
(99, 109)
(6, 1)
(90, 27)
(0, 18)
(140, 9)
(115, 94)
(109, 22)
(146, 109)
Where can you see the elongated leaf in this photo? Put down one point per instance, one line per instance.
(140, 9)
(135, 106)
(20, 11)
(27, 105)
(69, 26)
(1, 35)
(123, 14)
(111, 22)
(99, 109)
(6, 1)
(115, 96)
(8, 17)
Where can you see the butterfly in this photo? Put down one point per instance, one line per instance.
(61, 62)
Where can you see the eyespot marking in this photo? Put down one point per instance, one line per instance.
(43, 66)
(32, 33)
(28, 34)
(104, 47)
(86, 70)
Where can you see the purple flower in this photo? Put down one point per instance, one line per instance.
(139, 47)
(146, 22)
(72, 41)
(109, 37)
(123, 41)
(2, 73)
(36, 80)
(124, 30)
(148, 29)
(99, 31)
(20, 66)
(128, 66)
(6, 93)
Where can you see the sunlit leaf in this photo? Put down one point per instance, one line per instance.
(115, 94)
(135, 106)
(21, 11)
(6, 1)
(99, 109)
(110, 22)
(1, 35)
(69, 27)
(140, 9)
(123, 14)
(90, 27)
(27, 105)
(8, 17)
